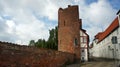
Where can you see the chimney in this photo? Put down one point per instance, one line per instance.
(80, 22)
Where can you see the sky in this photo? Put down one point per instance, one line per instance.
(25, 20)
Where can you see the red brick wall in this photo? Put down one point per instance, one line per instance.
(12, 55)
(68, 30)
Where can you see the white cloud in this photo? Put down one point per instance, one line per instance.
(24, 26)
(97, 16)
(25, 23)
(11, 26)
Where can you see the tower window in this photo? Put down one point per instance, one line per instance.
(75, 41)
(64, 23)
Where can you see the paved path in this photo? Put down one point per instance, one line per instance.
(94, 64)
(73, 65)
(98, 64)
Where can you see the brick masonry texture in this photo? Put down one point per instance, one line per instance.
(12, 55)
(68, 30)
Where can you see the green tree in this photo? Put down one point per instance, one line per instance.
(51, 43)
(38, 43)
(53, 38)
(32, 43)
(56, 37)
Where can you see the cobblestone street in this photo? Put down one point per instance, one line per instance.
(98, 63)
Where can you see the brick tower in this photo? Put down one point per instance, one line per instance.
(68, 30)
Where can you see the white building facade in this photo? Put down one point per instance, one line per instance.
(84, 41)
(102, 44)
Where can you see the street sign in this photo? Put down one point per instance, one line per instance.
(114, 40)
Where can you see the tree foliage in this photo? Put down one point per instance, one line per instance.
(31, 43)
(51, 43)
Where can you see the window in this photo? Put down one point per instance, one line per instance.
(82, 50)
(82, 58)
(64, 23)
(83, 39)
(75, 41)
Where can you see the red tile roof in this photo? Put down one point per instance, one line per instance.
(98, 35)
(102, 35)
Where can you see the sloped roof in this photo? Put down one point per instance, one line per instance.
(84, 31)
(115, 24)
